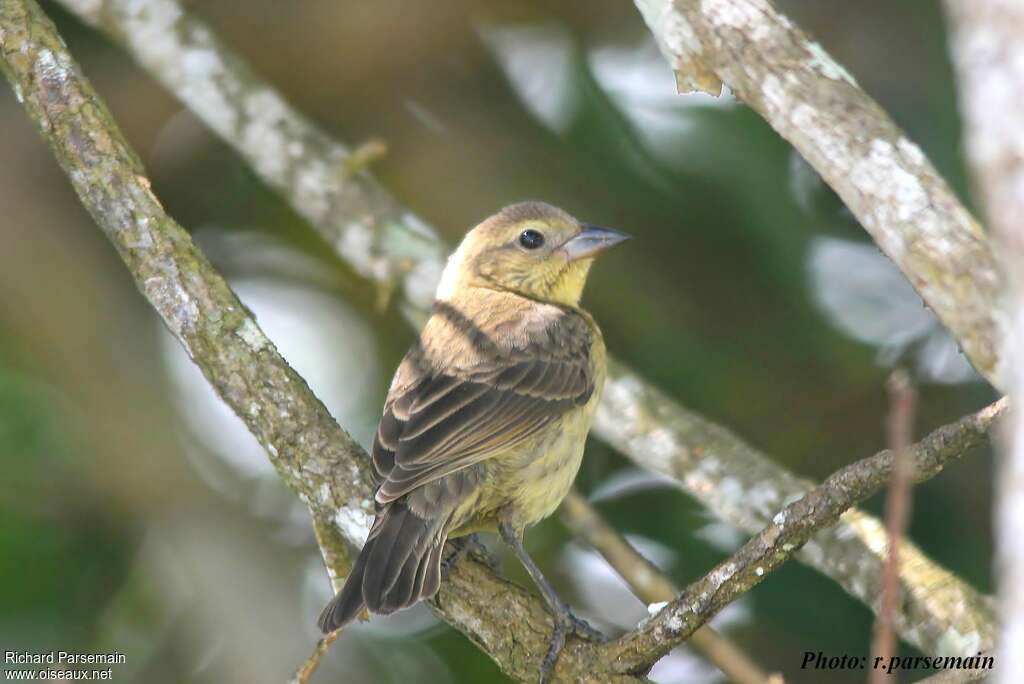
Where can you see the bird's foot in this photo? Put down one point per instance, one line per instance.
(566, 623)
(583, 630)
(460, 547)
(555, 646)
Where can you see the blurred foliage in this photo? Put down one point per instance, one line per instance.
(129, 525)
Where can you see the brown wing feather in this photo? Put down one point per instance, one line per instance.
(440, 418)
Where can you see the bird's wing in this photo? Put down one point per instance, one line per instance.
(436, 422)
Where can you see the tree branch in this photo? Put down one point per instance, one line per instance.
(989, 58)
(883, 177)
(939, 613)
(306, 670)
(315, 457)
(736, 482)
(320, 178)
(790, 529)
(651, 586)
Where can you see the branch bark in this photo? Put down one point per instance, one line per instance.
(366, 226)
(989, 58)
(883, 177)
(941, 614)
(790, 529)
(315, 457)
(651, 586)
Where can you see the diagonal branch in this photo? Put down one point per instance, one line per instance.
(790, 529)
(366, 226)
(316, 458)
(939, 612)
(883, 177)
(651, 586)
(390, 245)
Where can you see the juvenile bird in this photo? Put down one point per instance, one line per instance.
(485, 422)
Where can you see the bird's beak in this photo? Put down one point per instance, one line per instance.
(591, 241)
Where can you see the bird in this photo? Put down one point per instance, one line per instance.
(484, 425)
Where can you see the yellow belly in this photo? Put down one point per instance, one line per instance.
(527, 485)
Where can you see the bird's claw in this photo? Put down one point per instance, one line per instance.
(460, 548)
(555, 646)
(463, 546)
(566, 623)
(583, 630)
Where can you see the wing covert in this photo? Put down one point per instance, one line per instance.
(439, 420)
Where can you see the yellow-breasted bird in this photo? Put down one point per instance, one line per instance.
(485, 422)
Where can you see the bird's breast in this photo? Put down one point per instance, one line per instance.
(536, 478)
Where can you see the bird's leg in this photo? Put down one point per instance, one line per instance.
(565, 621)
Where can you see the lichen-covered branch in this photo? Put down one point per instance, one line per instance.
(652, 586)
(736, 482)
(883, 177)
(312, 453)
(366, 226)
(988, 54)
(790, 529)
(939, 613)
(317, 459)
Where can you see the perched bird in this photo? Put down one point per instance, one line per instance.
(484, 424)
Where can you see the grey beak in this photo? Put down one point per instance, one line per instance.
(591, 241)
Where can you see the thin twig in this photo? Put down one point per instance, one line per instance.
(650, 585)
(307, 669)
(791, 528)
(902, 401)
(732, 479)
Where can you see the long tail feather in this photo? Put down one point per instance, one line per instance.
(398, 566)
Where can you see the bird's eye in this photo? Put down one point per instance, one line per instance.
(531, 239)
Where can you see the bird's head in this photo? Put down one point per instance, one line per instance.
(532, 249)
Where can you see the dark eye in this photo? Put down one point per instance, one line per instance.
(531, 239)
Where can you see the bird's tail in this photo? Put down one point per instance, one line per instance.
(399, 564)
